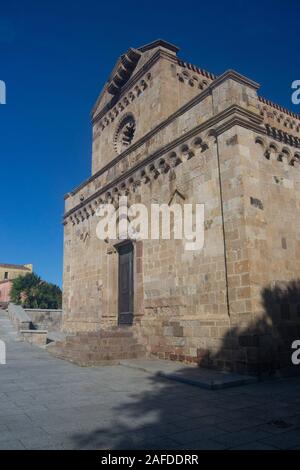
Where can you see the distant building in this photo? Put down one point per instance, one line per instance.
(8, 272)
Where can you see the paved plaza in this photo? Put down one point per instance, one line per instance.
(47, 403)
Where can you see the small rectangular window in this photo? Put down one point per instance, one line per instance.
(6, 275)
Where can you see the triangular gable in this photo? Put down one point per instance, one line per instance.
(125, 67)
(121, 73)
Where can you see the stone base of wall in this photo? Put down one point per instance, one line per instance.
(77, 322)
(220, 344)
(251, 347)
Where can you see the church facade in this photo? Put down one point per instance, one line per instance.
(165, 130)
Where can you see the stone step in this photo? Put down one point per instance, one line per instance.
(97, 348)
(189, 374)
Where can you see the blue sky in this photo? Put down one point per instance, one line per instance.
(55, 56)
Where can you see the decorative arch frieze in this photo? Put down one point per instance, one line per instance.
(272, 150)
(280, 123)
(151, 170)
(282, 136)
(193, 79)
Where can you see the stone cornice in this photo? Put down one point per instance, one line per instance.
(233, 75)
(123, 70)
(159, 43)
(234, 115)
(241, 120)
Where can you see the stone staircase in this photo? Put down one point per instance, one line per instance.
(8, 332)
(98, 348)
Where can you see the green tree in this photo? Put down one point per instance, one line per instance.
(31, 291)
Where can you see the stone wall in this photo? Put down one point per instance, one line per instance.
(159, 86)
(35, 319)
(84, 277)
(45, 319)
(232, 305)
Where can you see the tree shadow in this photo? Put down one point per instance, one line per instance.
(168, 415)
(171, 415)
(263, 348)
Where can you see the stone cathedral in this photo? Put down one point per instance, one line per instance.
(165, 130)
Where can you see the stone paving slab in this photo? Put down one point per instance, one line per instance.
(192, 375)
(47, 403)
